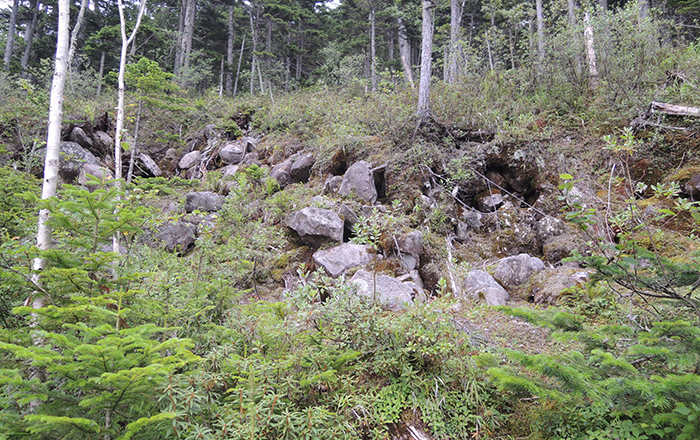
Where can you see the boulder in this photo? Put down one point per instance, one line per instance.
(409, 249)
(201, 221)
(103, 142)
(189, 160)
(547, 286)
(514, 271)
(489, 200)
(316, 226)
(338, 259)
(282, 171)
(176, 237)
(301, 168)
(233, 152)
(81, 138)
(692, 187)
(358, 179)
(331, 185)
(71, 159)
(204, 201)
(101, 173)
(481, 285)
(249, 142)
(387, 290)
(169, 162)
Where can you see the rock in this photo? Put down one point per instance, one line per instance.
(233, 152)
(81, 138)
(358, 179)
(150, 165)
(169, 162)
(514, 271)
(338, 259)
(410, 248)
(559, 247)
(549, 227)
(204, 201)
(489, 200)
(249, 142)
(229, 170)
(332, 184)
(316, 226)
(71, 159)
(388, 291)
(548, 285)
(349, 219)
(201, 221)
(252, 158)
(480, 285)
(103, 142)
(101, 173)
(692, 187)
(189, 160)
(176, 237)
(301, 168)
(281, 172)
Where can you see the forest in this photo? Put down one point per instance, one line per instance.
(358, 219)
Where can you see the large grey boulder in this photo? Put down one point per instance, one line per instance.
(409, 249)
(233, 152)
(514, 271)
(548, 286)
(204, 201)
(388, 291)
(358, 179)
(189, 160)
(71, 159)
(338, 259)
(103, 142)
(300, 170)
(176, 237)
(81, 138)
(101, 173)
(481, 285)
(316, 226)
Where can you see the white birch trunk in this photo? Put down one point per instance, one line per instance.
(373, 51)
(29, 38)
(540, 31)
(590, 52)
(76, 30)
(405, 52)
(53, 144)
(426, 62)
(229, 51)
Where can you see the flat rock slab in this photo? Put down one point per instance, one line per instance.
(388, 291)
(481, 285)
(338, 259)
(358, 179)
(204, 201)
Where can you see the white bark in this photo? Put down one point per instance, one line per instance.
(187, 34)
(643, 10)
(11, 31)
(456, 9)
(53, 143)
(590, 52)
(180, 27)
(101, 73)
(238, 70)
(426, 61)
(76, 30)
(229, 51)
(404, 51)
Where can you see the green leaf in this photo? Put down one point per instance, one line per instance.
(134, 427)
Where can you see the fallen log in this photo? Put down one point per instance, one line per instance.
(672, 109)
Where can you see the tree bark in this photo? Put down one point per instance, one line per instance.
(254, 57)
(540, 31)
(405, 52)
(101, 73)
(238, 71)
(456, 9)
(373, 51)
(590, 52)
(134, 145)
(178, 46)
(29, 38)
(11, 31)
(229, 51)
(426, 62)
(187, 35)
(76, 30)
(53, 145)
(643, 10)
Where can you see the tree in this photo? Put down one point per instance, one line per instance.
(29, 37)
(9, 44)
(426, 62)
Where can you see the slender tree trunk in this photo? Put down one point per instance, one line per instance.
(221, 78)
(53, 146)
(76, 30)
(456, 9)
(488, 49)
(134, 146)
(29, 38)
(11, 31)
(178, 46)
(229, 51)
(603, 5)
(238, 71)
(590, 52)
(571, 12)
(101, 74)
(404, 51)
(426, 62)
(511, 39)
(540, 31)
(254, 57)
(297, 71)
(643, 10)
(187, 35)
(268, 53)
(373, 51)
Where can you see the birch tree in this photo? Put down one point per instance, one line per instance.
(53, 145)
(9, 44)
(29, 38)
